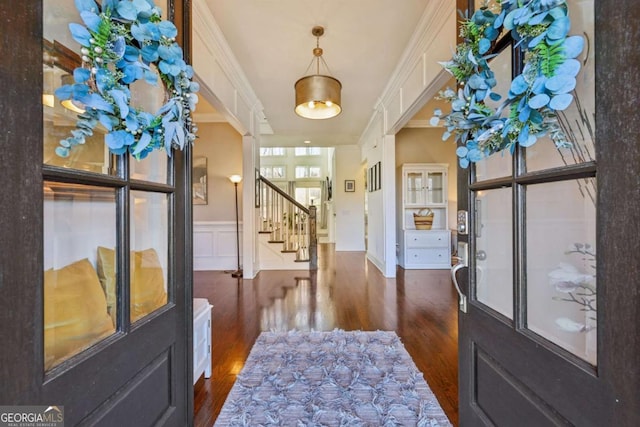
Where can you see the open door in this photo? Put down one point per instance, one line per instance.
(95, 264)
(548, 320)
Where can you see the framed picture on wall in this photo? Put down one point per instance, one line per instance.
(349, 185)
(199, 180)
(379, 175)
(374, 177)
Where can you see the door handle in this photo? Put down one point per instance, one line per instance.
(462, 298)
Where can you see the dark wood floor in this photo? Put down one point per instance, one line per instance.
(347, 292)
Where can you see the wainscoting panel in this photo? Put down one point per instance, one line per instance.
(214, 245)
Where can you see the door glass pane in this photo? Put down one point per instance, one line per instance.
(498, 164)
(149, 252)
(152, 168)
(561, 264)
(149, 98)
(60, 57)
(494, 262)
(78, 219)
(415, 184)
(577, 121)
(435, 187)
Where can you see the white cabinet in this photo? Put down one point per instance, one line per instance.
(424, 189)
(201, 338)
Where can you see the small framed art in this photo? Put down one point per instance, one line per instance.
(349, 185)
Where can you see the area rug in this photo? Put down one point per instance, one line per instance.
(333, 378)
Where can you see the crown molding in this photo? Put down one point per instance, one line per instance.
(206, 27)
(428, 31)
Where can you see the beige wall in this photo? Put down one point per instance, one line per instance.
(425, 145)
(222, 145)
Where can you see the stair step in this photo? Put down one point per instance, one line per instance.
(302, 260)
(264, 232)
(276, 241)
(289, 251)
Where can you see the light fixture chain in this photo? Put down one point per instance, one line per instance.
(326, 66)
(318, 57)
(306, 72)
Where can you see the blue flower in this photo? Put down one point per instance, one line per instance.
(81, 75)
(145, 32)
(131, 53)
(108, 121)
(94, 100)
(86, 5)
(91, 20)
(167, 29)
(122, 101)
(127, 10)
(132, 72)
(80, 34)
(104, 90)
(118, 139)
(144, 141)
(150, 52)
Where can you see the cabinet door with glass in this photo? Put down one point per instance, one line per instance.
(424, 184)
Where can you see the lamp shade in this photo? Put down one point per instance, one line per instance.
(318, 97)
(235, 179)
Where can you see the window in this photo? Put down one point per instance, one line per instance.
(307, 151)
(308, 171)
(271, 151)
(308, 195)
(275, 172)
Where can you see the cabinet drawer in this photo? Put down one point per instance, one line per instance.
(429, 256)
(425, 239)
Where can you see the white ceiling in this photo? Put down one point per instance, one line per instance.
(363, 43)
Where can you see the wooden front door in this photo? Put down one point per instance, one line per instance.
(95, 258)
(550, 332)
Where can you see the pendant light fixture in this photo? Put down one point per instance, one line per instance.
(318, 95)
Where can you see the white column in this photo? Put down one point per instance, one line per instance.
(250, 214)
(389, 203)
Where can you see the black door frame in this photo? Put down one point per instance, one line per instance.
(21, 232)
(618, 223)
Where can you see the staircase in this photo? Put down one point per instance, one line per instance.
(288, 239)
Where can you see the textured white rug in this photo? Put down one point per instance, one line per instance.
(333, 378)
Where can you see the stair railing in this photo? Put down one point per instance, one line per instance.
(288, 222)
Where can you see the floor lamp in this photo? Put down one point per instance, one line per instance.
(236, 180)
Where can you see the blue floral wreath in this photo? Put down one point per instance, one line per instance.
(544, 86)
(121, 41)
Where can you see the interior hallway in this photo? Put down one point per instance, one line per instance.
(347, 292)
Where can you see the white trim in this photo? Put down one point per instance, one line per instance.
(222, 80)
(429, 39)
(214, 245)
